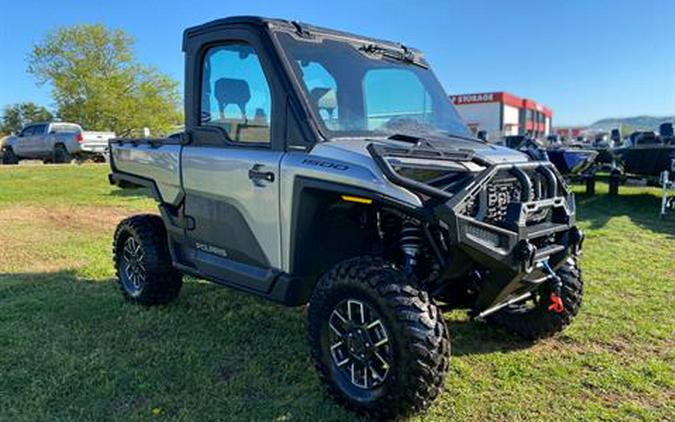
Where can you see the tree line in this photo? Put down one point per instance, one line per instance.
(96, 81)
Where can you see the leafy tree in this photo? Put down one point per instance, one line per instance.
(97, 82)
(16, 116)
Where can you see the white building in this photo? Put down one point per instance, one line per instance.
(501, 114)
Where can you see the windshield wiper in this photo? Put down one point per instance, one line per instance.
(403, 55)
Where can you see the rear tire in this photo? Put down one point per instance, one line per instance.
(61, 155)
(538, 321)
(143, 265)
(388, 356)
(9, 157)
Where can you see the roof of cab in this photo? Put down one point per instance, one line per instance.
(282, 24)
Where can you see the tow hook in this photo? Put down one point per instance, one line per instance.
(526, 252)
(556, 301)
(556, 304)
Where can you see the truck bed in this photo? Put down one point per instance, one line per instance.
(153, 163)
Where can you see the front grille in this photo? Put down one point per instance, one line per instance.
(491, 204)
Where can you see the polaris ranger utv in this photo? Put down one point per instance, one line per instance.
(324, 168)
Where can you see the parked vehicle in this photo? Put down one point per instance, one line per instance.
(329, 168)
(568, 158)
(646, 154)
(56, 142)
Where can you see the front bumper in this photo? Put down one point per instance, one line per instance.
(539, 228)
(510, 219)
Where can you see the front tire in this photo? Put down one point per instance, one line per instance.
(142, 261)
(535, 320)
(9, 157)
(379, 342)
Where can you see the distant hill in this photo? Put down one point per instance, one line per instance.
(635, 123)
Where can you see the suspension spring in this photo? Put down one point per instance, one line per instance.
(410, 241)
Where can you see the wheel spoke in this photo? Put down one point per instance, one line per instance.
(376, 375)
(359, 307)
(385, 364)
(337, 320)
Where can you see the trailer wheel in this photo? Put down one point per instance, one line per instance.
(614, 182)
(534, 319)
(145, 273)
(379, 343)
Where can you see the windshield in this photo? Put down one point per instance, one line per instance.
(364, 90)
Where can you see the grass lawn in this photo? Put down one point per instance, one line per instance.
(71, 348)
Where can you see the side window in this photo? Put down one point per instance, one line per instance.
(235, 95)
(322, 92)
(384, 106)
(28, 131)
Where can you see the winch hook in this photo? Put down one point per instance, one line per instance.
(556, 305)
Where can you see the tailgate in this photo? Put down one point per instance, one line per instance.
(96, 141)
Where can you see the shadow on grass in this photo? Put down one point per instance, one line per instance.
(642, 209)
(212, 354)
(213, 350)
(471, 337)
(199, 298)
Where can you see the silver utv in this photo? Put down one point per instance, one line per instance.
(328, 168)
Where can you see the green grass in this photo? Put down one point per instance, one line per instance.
(71, 348)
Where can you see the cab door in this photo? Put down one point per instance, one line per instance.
(22, 148)
(39, 148)
(231, 169)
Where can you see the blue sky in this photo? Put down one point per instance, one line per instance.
(584, 59)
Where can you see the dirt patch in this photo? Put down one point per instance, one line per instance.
(52, 238)
(65, 216)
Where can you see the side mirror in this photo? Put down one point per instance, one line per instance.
(185, 138)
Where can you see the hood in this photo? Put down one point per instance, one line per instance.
(490, 153)
(7, 140)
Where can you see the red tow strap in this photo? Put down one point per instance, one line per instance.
(556, 304)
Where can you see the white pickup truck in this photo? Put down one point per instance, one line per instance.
(56, 142)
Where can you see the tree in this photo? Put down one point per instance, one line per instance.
(97, 83)
(16, 116)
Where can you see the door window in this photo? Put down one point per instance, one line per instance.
(235, 95)
(27, 131)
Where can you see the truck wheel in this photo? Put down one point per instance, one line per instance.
(143, 263)
(9, 157)
(533, 319)
(379, 343)
(61, 155)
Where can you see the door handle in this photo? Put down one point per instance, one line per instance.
(256, 174)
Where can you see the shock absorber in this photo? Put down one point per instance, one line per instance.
(410, 241)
